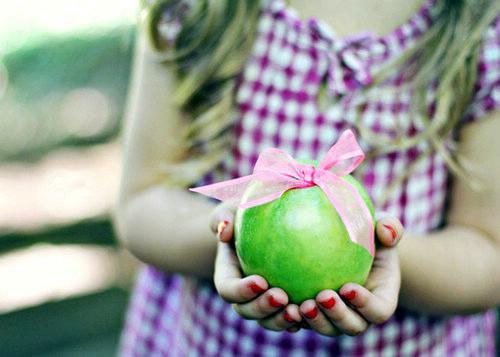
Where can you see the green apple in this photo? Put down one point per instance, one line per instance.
(300, 244)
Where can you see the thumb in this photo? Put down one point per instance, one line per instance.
(389, 230)
(221, 222)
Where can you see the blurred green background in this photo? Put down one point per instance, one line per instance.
(64, 71)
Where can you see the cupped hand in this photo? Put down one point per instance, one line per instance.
(250, 296)
(350, 311)
(355, 307)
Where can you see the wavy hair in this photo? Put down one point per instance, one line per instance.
(208, 53)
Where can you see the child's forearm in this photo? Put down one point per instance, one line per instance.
(455, 270)
(169, 229)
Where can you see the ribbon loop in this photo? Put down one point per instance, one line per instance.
(344, 156)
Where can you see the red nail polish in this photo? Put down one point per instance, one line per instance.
(328, 304)
(274, 303)
(393, 231)
(257, 289)
(311, 314)
(350, 295)
(287, 317)
(221, 226)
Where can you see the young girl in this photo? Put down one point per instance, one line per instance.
(216, 82)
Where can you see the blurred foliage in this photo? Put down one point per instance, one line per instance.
(96, 231)
(61, 63)
(39, 76)
(40, 83)
(81, 326)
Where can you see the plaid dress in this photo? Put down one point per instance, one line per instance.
(292, 61)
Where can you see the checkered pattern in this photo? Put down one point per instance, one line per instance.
(278, 106)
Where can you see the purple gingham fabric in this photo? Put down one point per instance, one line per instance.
(277, 104)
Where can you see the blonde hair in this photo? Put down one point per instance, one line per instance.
(447, 54)
(209, 51)
(215, 39)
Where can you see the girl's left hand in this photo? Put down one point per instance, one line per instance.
(353, 309)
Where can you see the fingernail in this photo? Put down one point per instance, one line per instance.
(287, 317)
(350, 295)
(273, 302)
(328, 304)
(221, 226)
(392, 230)
(311, 314)
(257, 289)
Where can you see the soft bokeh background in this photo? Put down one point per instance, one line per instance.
(64, 69)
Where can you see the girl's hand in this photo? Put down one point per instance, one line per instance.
(250, 296)
(355, 307)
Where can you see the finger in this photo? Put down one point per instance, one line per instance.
(389, 231)
(374, 308)
(339, 314)
(285, 319)
(316, 319)
(225, 231)
(264, 305)
(228, 280)
(221, 222)
(384, 279)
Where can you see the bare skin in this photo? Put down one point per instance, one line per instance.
(451, 271)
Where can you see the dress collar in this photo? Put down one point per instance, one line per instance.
(352, 59)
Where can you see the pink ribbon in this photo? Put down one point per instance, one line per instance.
(278, 172)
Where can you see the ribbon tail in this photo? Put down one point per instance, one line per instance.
(230, 191)
(354, 213)
(252, 190)
(275, 172)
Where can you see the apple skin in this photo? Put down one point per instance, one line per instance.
(299, 243)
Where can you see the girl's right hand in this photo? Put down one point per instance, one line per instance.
(250, 296)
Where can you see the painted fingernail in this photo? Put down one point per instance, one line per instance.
(328, 304)
(273, 302)
(221, 226)
(350, 295)
(257, 289)
(311, 314)
(287, 317)
(392, 230)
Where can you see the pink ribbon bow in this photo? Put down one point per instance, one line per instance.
(279, 172)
